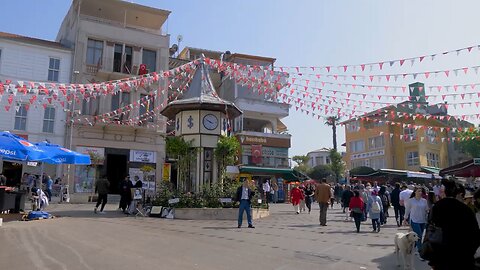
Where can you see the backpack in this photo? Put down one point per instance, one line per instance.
(375, 207)
(384, 199)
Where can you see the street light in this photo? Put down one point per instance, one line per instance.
(71, 114)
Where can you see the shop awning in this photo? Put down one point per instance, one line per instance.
(400, 173)
(285, 173)
(431, 170)
(469, 168)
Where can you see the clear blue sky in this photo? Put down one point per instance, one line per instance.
(305, 33)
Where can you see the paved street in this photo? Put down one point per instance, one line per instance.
(80, 239)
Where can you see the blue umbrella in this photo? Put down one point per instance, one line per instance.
(13, 147)
(59, 155)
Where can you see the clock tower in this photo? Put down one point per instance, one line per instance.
(201, 116)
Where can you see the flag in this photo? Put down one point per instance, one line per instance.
(256, 154)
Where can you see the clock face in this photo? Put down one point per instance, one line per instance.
(210, 121)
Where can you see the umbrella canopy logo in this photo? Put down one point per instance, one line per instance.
(25, 143)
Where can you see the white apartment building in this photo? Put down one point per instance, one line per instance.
(30, 59)
(110, 40)
(319, 157)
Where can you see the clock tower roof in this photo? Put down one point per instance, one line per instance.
(201, 95)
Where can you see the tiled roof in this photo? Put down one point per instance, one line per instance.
(31, 40)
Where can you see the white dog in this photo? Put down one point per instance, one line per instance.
(404, 244)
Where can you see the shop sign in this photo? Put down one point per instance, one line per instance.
(143, 156)
(264, 141)
(267, 151)
(97, 152)
(367, 154)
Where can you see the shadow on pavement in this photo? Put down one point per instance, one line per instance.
(88, 214)
(390, 262)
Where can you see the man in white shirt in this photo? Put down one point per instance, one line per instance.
(266, 191)
(403, 197)
(437, 189)
(244, 196)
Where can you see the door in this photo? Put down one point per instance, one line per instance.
(116, 171)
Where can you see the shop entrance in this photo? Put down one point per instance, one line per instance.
(13, 172)
(116, 171)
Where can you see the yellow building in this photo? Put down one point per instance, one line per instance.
(406, 136)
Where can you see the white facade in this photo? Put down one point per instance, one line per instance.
(110, 40)
(319, 157)
(29, 59)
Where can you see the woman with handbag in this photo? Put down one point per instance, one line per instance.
(356, 206)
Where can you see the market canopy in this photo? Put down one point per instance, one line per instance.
(59, 155)
(470, 168)
(286, 173)
(13, 147)
(400, 173)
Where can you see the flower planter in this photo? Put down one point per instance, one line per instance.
(217, 213)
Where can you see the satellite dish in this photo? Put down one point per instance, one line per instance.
(179, 38)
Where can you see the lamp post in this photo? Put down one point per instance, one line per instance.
(71, 114)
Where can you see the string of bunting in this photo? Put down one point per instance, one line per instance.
(389, 77)
(386, 88)
(380, 65)
(66, 93)
(347, 96)
(121, 112)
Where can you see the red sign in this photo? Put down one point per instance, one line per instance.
(256, 154)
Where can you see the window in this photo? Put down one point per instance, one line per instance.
(49, 120)
(149, 58)
(377, 163)
(353, 126)
(357, 146)
(372, 124)
(90, 105)
(127, 67)
(358, 163)
(318, 161)
(122, 58)
(53, 69)
(149, 105)
(409, 134)
(94, 52)
(412, 159)
(21, 117)
(117, 58)
(327, 160)
(376, 142)
(433, 160)
(431, 135)
(120, 100)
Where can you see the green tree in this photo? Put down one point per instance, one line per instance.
(226, 153)
(185, 155)
(332, 121)
(320, 171)
(302, 163)
(337, 165)
(361, 170)
(469, 142)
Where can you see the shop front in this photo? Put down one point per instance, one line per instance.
(115, 164)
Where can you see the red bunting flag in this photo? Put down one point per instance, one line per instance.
(380, 65)
(401, 62)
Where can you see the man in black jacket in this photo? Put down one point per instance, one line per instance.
(395, 201)
(244, 196)
(460, 232)
(347, 194)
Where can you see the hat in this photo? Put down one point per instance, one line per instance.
(374, 192)
(468, 194)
